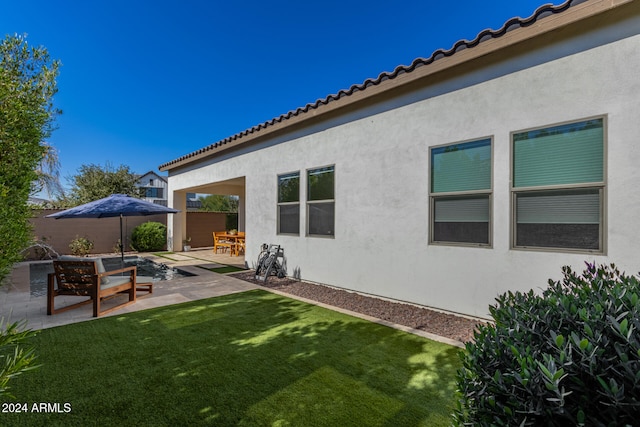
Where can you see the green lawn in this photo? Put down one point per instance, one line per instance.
(250, 359)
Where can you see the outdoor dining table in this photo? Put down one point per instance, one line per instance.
(233, 239)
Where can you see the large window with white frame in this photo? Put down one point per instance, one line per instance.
(321, 201)
(289, 203)
(460, 193)
(558, 185)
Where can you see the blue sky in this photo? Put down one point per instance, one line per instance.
(145, 82)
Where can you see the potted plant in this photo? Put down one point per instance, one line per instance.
(186, 244)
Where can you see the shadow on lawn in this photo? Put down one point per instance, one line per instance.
(246, 359)
(287, 361)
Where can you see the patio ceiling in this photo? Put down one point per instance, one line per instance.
(232, 187)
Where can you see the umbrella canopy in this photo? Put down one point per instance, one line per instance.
(114, 205)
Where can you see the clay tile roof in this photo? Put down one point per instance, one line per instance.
(512, 24)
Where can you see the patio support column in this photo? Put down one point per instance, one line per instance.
(241, 211)
(177, 223)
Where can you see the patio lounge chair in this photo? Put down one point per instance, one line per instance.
(87, 277)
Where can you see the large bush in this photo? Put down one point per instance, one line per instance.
(150, 236)
(27, 118)
(570, 356)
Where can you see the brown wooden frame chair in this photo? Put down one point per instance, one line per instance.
(239, 246)
(220, 244)
(84, 278)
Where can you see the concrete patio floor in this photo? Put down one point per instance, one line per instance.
(17, 303)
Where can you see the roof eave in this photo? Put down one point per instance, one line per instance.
(420, 70)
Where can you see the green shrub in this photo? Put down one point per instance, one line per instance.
(16, 355)
(81, 246)
(150, 236)
(231, 221)
(570, 356)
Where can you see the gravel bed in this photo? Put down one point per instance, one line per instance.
(445, 325)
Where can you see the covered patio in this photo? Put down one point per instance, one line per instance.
(177, 224)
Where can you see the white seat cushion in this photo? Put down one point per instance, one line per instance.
(113, 281)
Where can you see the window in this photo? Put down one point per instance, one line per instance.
(289, 203)
(461, 193)
(558, 187)
(153, 192)
(320, 201)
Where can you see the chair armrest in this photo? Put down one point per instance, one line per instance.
(120, 270)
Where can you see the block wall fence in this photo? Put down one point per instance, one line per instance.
(105, 232)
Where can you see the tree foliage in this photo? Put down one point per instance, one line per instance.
(16, 355)
(27, 116)
(218, 203)
(94, 182)
(48, 173)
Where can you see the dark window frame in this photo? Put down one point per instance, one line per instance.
(319, 203)
(575, 234)
(152, 192)
(286, 203)
(443, 233)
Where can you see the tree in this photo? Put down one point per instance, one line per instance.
(48, 173)
(27, 116)
(218, 203)
(95, 182)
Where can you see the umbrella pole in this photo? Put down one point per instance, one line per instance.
(121, 243)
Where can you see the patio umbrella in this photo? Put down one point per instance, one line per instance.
(114, 205)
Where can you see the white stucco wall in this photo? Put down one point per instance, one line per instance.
(381, 175)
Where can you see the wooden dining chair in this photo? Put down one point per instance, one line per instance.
(219, 243)
(239, 246)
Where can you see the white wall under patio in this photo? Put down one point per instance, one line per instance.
(381, 158)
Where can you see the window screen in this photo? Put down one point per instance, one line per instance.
(546, 160)
(289, 203)
(320, 201)
(461, 192)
